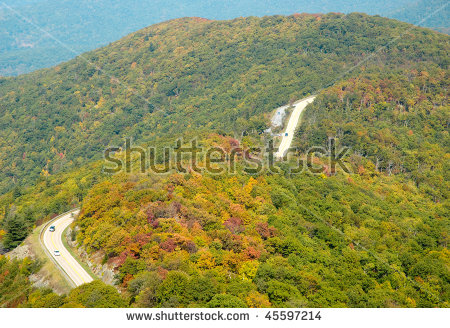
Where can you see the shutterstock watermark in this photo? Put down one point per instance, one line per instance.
(184, 157)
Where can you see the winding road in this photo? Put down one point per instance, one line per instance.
(73, 271)
(288, 134)
(65, 261)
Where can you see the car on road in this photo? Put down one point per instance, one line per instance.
(56, 253)
(52, 228)
(286, 134)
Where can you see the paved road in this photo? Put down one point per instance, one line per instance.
(288, 134)
(53, 241)
(79, 276)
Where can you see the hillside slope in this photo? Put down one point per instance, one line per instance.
(83, 25)
(376, 236)
(188, 76)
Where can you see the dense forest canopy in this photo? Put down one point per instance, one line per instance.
(267, 241)
(374, 237)
(395, 122)
(31, 38)
(188, 76)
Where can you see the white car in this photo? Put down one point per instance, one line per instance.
(56, 253)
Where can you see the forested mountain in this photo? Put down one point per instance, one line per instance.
(187, 75)
(37, 34)
(374, 237)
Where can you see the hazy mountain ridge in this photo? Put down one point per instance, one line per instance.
(85, 25)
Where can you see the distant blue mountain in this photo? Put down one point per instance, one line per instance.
(41, 33)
